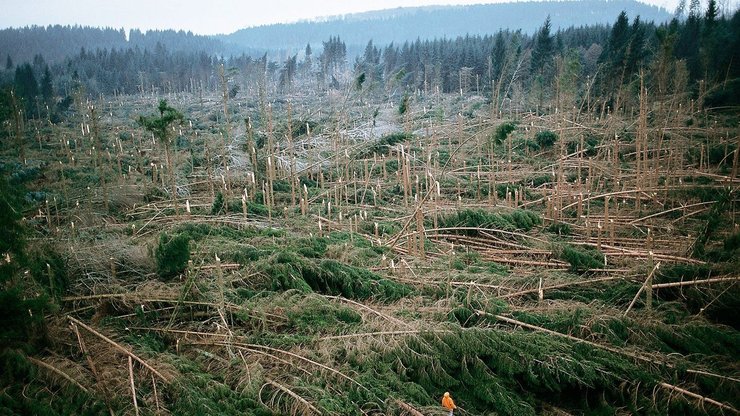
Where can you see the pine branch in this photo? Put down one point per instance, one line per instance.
(303, 402)
(57, 372)
(697, 282)
(367, 308)
(702, 399)
(120, 348)
(560, 286)
(408, 408)
(637, 295)
(617, 351)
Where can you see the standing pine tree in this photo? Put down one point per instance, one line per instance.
(307, 66)
(47, 90)
(613, 60)
(333, 59)
(160, 128)
(689, 42)
(635, 51)
(541, 65)
(287, 73)
(709, 40)
(26, 88)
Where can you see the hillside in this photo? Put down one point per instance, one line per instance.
(526, 265)
(408, 24)
(55, 43)
(540, 224)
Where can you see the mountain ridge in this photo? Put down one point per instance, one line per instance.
(430, 22)
(280, 41)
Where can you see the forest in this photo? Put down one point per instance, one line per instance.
(539, 222)
(435, 22)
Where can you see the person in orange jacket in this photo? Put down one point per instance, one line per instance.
(448, 403)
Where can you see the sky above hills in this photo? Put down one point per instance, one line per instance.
(204, 17)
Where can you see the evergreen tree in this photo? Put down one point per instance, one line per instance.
(160, 127)
(542, 53)
(307, 62)
(541, 68)
(710, 45)
(635, 50)
(21, 310)
(287, 73)
(616, 47)
(333, 58)
(370, 63)
(26, 88)
(664, 61)
(613, 60)
(47, 87)
(498, 56)
(688, 45)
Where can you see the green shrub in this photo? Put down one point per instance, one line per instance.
(546, 138)
(22, 309)
(382, 146)
(582, 259)
(678, 272)
(22, 318)
(502, 132)
(49, 270)
(255, 208)
(313, 315)
(384, 227)
(172, 255)
(219, 204)
(559, 228)
(404, 105)
(290, 270)
(589, 145)
(732, 242)
(519, 219)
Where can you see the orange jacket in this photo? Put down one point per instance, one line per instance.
(448, 403)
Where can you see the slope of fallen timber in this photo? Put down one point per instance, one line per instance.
(371, 261)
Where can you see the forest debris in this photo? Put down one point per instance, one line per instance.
(702, 399)
(408, 409)
(120, 348)
(696, 282)
(58, 372)
(303, 404)
(560, 286)
(133, 386)
(615, 350)
(382, 333)
(367, 308)
(288, 353)
(706, 373)
(644, 285)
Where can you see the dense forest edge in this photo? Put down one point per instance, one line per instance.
(538, 222)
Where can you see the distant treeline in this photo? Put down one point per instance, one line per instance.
(408, 24)
(55, 43)
(695, 54)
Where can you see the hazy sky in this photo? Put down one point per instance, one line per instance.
(203, 17)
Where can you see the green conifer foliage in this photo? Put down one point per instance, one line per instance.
(172, 255)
